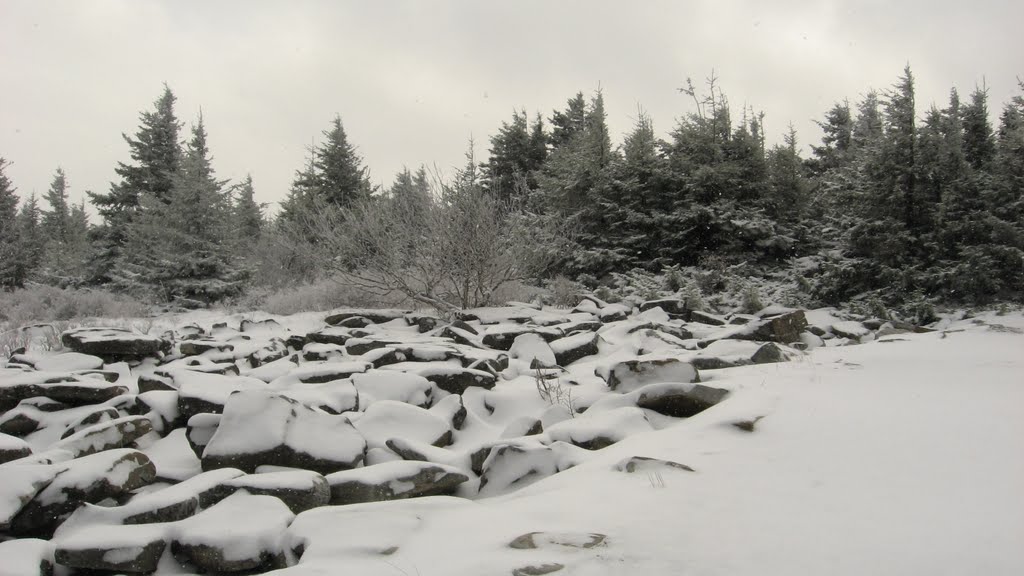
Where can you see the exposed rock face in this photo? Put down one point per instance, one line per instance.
(394, 481)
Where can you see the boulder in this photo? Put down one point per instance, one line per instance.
(64, 387)
(26, 557)
(529, 347)
(768, 353)
(69, 362)
(199, 392)
(451, 409)
(115, 548)
(455, 380)
(372, 315)
(594, 431)
(377, 385)
(706, 318)
(677, 399)
(388, 419)
(517, 464)
(20, 485)
(265, 428)
(300, 490)
(197, 347)
(113, 343)
(241, 533)
(12, 448)
(572, 348)
(784, 328)
(541, 540)
(852, 330)
(672, 306)
(632, 374)
(646, 464)
(93, 478)
(97, 416)
(117, 433)
(393, 481)
(199, 429)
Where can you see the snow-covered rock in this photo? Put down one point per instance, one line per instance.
(241, 533)
(594, 431)
(393, 481)
(113, 343)
(629, 375)
(260, 427)
(93, 478)
(388, 419)
(12, 448)
(376, 385)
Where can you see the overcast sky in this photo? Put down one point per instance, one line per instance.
(413, 80)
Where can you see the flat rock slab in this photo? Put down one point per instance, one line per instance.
(374, 316)
(300, 490)
(388, 419)
(12, 448)
(117, 433)
(132, 549)
(260, 427)
(89, 479)
(69, 362)
(113, 342)
(394, 481)
(241, 533)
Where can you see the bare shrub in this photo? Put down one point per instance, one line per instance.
(41, 304)
(453, 251)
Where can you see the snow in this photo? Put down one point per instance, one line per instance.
(529, 347)
(388, 419)
(378, 385)
(68, 362)
(241, 525)
(895, 456)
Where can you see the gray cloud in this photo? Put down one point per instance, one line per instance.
(413, 80)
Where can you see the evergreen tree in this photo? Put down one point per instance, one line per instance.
(156, 154)
(788, 185)
(517, 153)
(178, 248)
(9, 236)
(979, 142)
(836, 142)
(340, 177)
(31, 241)
(248, 214)
(566, 125)
(56, 219)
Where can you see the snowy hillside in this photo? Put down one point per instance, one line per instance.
(518, 440)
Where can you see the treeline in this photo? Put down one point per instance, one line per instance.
(889, 204)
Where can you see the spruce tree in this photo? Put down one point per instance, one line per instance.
(9, 236)
(247, 213)
(56, 219)
(341, 179)
(156, 154)
(178, 248)
(517, 152)
(31, 241)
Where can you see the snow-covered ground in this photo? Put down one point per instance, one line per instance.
(903, 455)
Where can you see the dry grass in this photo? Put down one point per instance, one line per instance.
(41, 304)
